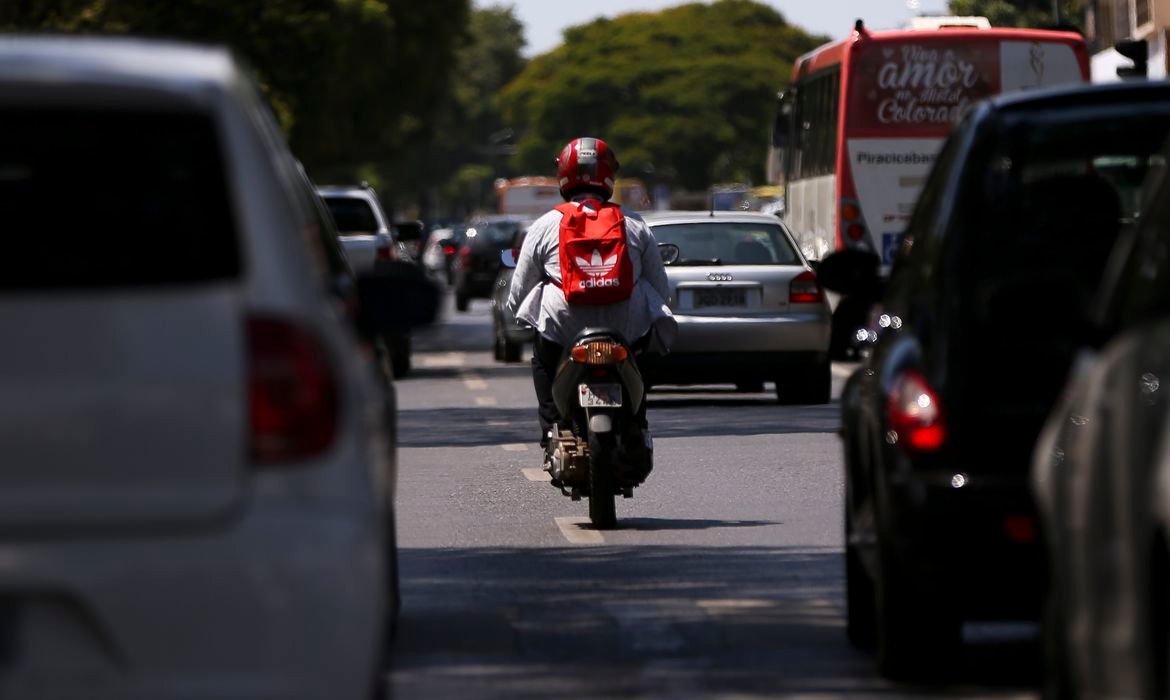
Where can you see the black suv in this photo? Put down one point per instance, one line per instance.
(478, 260)
(978, 326)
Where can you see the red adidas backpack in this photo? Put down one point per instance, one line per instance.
(595, 260)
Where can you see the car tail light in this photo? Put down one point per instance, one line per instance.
(915, 414)
(855, 232)
(465, 257)
(384, 252)
(599, 353)
(292, 394)
(803, 289)
(449, 250)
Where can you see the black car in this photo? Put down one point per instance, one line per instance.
(478, 260)
(979, 323)
(1101, 477)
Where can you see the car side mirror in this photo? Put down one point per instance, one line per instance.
(669, 253)
(852, 273)
(394, 298)
(509, 256)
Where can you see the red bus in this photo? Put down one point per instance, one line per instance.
(864, 117)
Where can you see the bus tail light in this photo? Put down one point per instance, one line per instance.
(851, 222)
(803, 289)
(915, 414)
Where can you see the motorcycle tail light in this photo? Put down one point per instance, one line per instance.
(599, 353)
(915, 414)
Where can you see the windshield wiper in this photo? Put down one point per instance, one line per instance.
(697, 262)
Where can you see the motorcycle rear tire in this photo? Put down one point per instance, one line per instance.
(602, 485)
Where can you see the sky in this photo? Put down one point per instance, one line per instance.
(545, 19)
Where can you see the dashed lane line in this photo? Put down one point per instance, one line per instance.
(842, 370)
(443, 359)
(474, 382)
(515, 447)
(536, 474)
(485, 401)
(574, 530)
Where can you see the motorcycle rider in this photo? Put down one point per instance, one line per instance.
(586, 169)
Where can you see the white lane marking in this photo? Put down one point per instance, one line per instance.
(734, 604)
(534, 474)
(498, 423)
(485, 401)
(574, 531)
(515, 447)
(844, 369)
(474, 382)
(444, 359)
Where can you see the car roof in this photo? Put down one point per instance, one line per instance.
(681, 217)
(1082, 95)
(346, 191)
(64, 62)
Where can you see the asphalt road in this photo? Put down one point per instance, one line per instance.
(724, 579)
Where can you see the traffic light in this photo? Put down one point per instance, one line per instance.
(1137, 51)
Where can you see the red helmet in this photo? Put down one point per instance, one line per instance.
(586, 164)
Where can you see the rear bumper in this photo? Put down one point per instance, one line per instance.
(475, 284)
(717, 367)
(779, 333)
(283, 608)
(967, 545)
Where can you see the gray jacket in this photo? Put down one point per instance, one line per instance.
(536, 300)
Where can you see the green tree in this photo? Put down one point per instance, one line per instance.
(1012, 13)
(469, 139)
(688, 92)
(353, 82)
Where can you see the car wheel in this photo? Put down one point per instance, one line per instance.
(461, 302)
(859, 593)
(810, 386)
(915, 636)
(1056, 684)
(497, 349)
(510, 351)
(399, 356)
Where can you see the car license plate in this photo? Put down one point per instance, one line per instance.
(599, 395)
(720, 297)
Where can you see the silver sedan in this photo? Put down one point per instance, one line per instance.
(748, 306)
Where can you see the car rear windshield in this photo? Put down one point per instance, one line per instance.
(112, 198)
(352, 214)
(496, 233)
(728, 243)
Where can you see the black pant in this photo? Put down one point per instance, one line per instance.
(546, 356)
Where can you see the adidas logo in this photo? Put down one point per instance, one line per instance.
(596, 267)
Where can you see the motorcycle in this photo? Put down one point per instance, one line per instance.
(599, 449)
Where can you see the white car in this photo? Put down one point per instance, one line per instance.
(196, 473)
(748, 306)
(362, 226)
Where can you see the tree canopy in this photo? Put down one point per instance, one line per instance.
(352, 81)
(686, 94)
(1009, 13)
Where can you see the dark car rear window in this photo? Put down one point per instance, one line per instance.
(112, 198)
(352, 214)
(495, 234)
(729, 243)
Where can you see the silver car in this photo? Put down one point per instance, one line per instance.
(748, 306)
(197, 481)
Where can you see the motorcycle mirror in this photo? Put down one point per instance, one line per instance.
(669, 253)
(508, 257)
